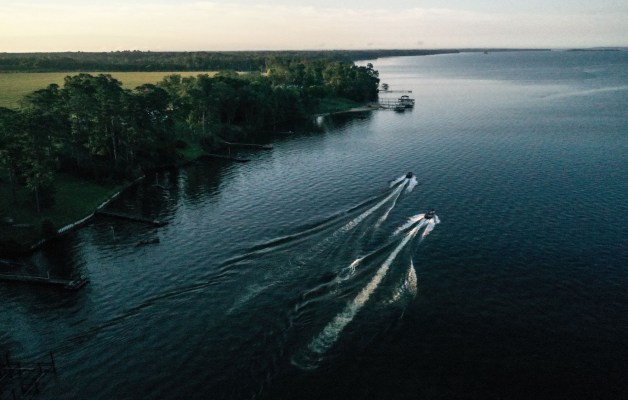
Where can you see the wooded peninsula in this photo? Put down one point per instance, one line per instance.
(67, 147)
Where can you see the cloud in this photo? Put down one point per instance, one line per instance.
(59, 26)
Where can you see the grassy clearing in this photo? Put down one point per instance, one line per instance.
(336, 104)
(15, 85)
(74, 199)
(192, 151)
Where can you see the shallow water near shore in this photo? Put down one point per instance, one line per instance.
(296, 275)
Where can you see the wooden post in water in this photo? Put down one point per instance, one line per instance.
(52, 362)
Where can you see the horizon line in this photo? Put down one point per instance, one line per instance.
(461, 49)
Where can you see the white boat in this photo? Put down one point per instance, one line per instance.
(406, 101)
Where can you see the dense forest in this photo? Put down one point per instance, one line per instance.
(183, 61)
(93, 128)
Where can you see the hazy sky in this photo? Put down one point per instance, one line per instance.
(89, 25)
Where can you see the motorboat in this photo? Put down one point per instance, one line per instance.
(409, 175)
(406, 101)
(430, 214)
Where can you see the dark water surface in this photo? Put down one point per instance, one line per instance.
(520, 292)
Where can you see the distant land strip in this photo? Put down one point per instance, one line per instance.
(144, 61)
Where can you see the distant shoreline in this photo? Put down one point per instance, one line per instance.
(138, 61)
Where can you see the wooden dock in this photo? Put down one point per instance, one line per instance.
(69, 284)
(133, 218)
(396, 104)
(394, 91)
(391, 105)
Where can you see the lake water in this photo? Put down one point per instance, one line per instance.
(289, 276)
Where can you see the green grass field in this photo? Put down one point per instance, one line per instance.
(15, 85)
(74, 199)
(336, 104)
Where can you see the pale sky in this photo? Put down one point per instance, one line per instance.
(178, 25)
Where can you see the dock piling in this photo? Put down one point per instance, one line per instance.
(52, 363)
(71, 284)
(25, 376)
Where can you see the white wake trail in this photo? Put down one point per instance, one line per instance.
(396, 181)
(430, 226)
(350, 270)
(321, 343)
(351, 224)
(408, 286)
(411, 184)
(385, 216)
(354, 222)
(411, 221)
(412, 281)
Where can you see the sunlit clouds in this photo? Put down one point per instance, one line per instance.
(160, 26)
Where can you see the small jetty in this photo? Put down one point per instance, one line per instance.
(133, 218)
(394, 91)
(20, 380)
(70, 284)
(401, 104)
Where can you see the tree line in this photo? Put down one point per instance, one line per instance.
(94, 128)
(182, 61)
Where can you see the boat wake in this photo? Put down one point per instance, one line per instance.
(408, 287)
(313, 354)
(291, 266)
(325, 243)
(409, 179)
(324, 273)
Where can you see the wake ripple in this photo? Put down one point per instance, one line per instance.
(328, 336)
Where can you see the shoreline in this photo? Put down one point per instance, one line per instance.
(370, 106)
(29, 248)
(24, 249)
(75, 225)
